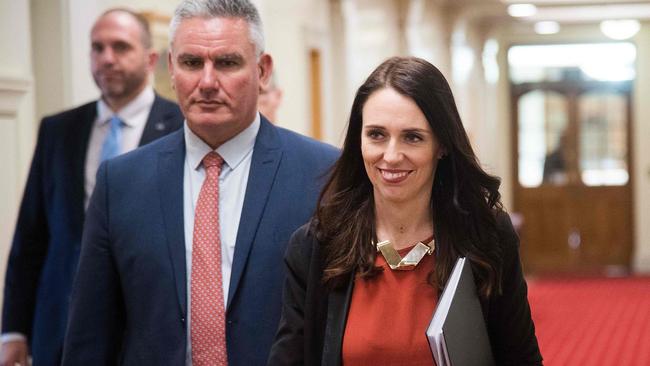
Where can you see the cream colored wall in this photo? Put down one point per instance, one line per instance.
(340, 100)
(428, 33)
(17, 127)
(372, 35)
(500, 155)
(453, 39)
(292, 29)
(366, 32)
(641, 163)
(51, 54)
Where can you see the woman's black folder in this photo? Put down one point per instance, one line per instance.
(457, 333)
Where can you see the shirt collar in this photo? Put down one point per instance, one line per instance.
(232, 151)
(144, 100)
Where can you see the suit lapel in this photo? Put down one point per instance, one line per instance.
(338, 304)
(159, 122)
(170, 185)
(267, 154)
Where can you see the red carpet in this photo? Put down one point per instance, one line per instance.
(592, 321)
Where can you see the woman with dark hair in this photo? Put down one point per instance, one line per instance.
(406, 199)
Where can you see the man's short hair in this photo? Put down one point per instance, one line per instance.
(145, 34)
(242, 9)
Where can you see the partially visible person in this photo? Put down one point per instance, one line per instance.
(270, 99)
(70, 147)
(404, 201)
(189, 271)
(555, 163)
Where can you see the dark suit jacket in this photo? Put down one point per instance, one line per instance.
(129, 302)
(45, 249)
(314, 317)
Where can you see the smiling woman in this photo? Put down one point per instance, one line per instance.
(409, 186)
(400, 151)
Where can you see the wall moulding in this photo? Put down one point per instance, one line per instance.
(12, 90)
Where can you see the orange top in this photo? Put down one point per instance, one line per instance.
(389, 315)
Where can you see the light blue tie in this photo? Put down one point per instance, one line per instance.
(113, 141)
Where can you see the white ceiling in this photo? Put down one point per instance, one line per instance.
(576, 11)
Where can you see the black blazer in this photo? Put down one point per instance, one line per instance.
(314, 317)
(45, 248)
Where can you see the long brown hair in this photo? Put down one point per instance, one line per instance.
(464, 199)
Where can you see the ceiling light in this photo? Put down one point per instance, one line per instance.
(547, 27)
(522, 10)
(620, 29)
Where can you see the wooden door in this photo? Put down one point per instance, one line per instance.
(572, 175)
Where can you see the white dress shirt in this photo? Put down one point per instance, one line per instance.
(237, 154)
(134, 115)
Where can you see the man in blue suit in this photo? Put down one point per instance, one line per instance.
(70, 147)
(182, 254)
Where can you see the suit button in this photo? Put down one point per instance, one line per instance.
(183, 320)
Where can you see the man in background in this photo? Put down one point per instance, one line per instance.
(190, 271)
(270, 99)
(70, 147)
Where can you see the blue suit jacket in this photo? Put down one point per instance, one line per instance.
(129, 302)
(45, 249)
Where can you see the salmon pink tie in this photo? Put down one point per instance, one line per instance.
(208, 324)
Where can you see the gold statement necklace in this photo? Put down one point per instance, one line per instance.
(411, 259)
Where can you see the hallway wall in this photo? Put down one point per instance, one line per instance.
(17, 127)
(641, 164)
